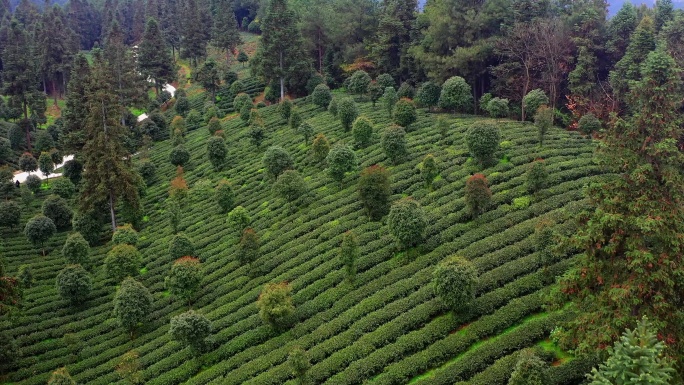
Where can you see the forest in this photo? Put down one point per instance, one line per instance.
(470, 192)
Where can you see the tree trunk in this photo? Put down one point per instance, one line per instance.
(111, 211)
(28, 126)
(525, 88)
(282, 79)
(320, 53)
(54, 91)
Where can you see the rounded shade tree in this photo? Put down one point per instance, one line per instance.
(349, 253)
(306, 130)
(362, 131)
(76, 250)
(321, 96)
(320, 148)
(74, 283)
(543, 120)
(529, 370)
(33, 182)
(589, 124)
(275, 304)
(333, 107)
(45, 164)
(57, 209)
(428, 169)
(407, 222)
(359, 82)
(181, 246)
(63, 188)
(39, 230)
(455, 282)
(389, 99)
(122, 261)
(10, 214)
(239, 218)
(340, 159)
(184, 277)
(405, 112)
(295, 119)
(348, 112)
(224, 195)
(125, 235)
(482, 140)
(386, 80)
(374, 191)
(132, 304)
(428, 94)
(248, 248)
(477, 195)
(299, 364)
(456, 95)
(394, 143)
(28, 163)
(290, 186)
(191, 329)
(532, 101)
(179, 156)
(537, 176)
(498, 108)
(217, 152)
(276, 160)
(285, 109)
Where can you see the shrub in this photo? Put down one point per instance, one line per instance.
(217, 152)
(241, 100)
(191, 329)
(588, 124)
(173, 212)
(122, 261)
(483, 141)
(275, 304)
(375, 92)
(362, 131)
(248, 248)
(39, 230)
(33, 183)
(498, 108)
(182, 106)
(340, 159)
(181, 246)
(533, 100)
(61, 377)
(89, 226)
(25, 276)
(290, 186)
(128, 368)
(394, 143)
(456, 94)
(320, 148)
(63, 188)
(285, 109)
(57, 209)
(245, 112)
(214, 126)
(537, 176)
(484, 101)
(455, 282)
(224, 195)
(406, 91)
(5, 150)
(276, 160)
(256, 135)
(147, 171)
(271, 93)
(529, 370)
(405, 112)
(76, 250)
(544, 242)
(543, 120)
(184, 277)
(295, 119)
(255, 118)
(237, 87)
(125, 235)
(321, 96)
(27, 162)
(389, 99)
(349, 253)
(428, 94)
(299, 364)
(306, 130)
(358, 82)
(193, 121)
(332, 107)
(10, 214)
(477, 195)
(132, 304)
(179, 156)
(239, 218)
(178, 126)
(429, 171)
(407, 222)
(10, 353)
(348, 112)
(374, 191)
(74, 284)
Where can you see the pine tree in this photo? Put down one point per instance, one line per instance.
(154, 60)
(57, 50)
(74, 115)
(225, 34)
(394, 36)
(628, 68)
(194, 41)
(108, 177)
(128, 82)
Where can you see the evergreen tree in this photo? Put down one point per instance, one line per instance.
(108, 177)
(208, 76)
(57, 49)
(394, 37)
(225, 34)
(154, 60)
(664, 12)
(620, 28)
(194, 32)
(132, 304)
(628, 68)
(529, 370)
(76, 111)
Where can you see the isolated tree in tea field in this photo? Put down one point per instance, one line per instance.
(349, 253)
(544, 241)
(122, 261)
(132, 304)
(320, 148)
(589, 124)
(394, 143)
(533, 100)
(74, 283)
(184, 278)
(45, 164)
(477, 195)
(191, 329)
(543, 120)
(359, 82)
(290, 186)
(537, 176)
(217, 152)
(333, 107)
(530, 370)
(347, 112)
(483, 140)
(456, 95)
(125, 235)
(407, 222)
(285, 109)
(455, 283)
(181, 246)
(374, 191)
(321, 96)
(275, 304)
(33, 183)
(306, 130)
(389, 99)
(10, 214)
(128, 368)
(28, 163)
(224, 195)
(341, 159)
(498, 108)
(362, 131)
(208, 76)
(240, 100)
(25, 276)
(405, 112)
(375, 92)
(295, 119)
(428, 170)
(76, 250)
(63, 188)
(179, 156)
(276, 160)
(428, 95)
(248, 248)
(57, 209)
(173, 212)
(39, 230)
(299, 364)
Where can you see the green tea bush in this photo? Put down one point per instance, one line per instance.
(359, 82)
(132, 304)
(184, 277)
(191, 329)
(362, 131)
(290, 186)
(275, 304)
(74, 284)
(122, 261)
(589, 124)
(341, 159)
(76, 250)
(455, 283)
(405, 112)
(217, 152)
(537, 176)
(181, 246)
(348, 112)
(125, 235)
(533, 100)
(179, 156)
(63, 188)
(349, 253)
(374, 191)
(456, 95)
(483, 140)
(10, 214)
(276, 160)
(321, 96)
(394, 143)
(57, 209)
(248, 248)
(320, 148)
(477, 195)
(407, 222)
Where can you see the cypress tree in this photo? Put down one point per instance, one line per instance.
(225, 34)
(74, 115)
(154, 60)
(628, 68)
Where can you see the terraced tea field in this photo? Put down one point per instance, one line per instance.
(387, 327)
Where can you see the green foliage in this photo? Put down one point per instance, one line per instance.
(533, 100)
(290, 186)
(429, 169)
(76, 250)
(589, 124)
(477, 195)
(405, 112)
(543, 120)
(374, 191)
(341, 159)
(245, 112)
(428, 94)
(128, 368)
(332, 107)
(184, 277)
(10, 352)
(61, 377)
(39, 230)
(530, 370)
(362, 131)
(10, 214)
(295, 119)
(375, 92)
(349, 253)
(122, 260)
(242, 57)
(456, 95)
(241, 100)
(45, 164)
(321, 96)
(544, 242)
(181, 246)
(299, 364)
(406, 91)
(74, 284)
(348, 112)
(320, 148)
(63, 188)
(147, 171)
(498, 108)
(407, 222)
(173, 212)
(637, 358)
(237, 87)
(57, 209)
(455, 282)
(276, 160)
(394, 143)
(193, 121)
(239, 218)
(275, 304)
(191, 329)
(179, 156)
(132, 304)
(385, 80)
(214, 125)
(484, 101)
(125, 235)
(89, 226)
(359, 82)
(285, 109)
(483, 140)
(256, 135)
(182, 106)
(25, 276)
(27, 162)
(255, 118)
(224, 195)
(537, 176)
(217, 152)
(306, 130)
(389, 99)
(33, 183)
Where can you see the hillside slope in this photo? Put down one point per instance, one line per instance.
(385, 328)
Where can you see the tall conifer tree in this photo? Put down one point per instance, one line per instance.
(225, 34)
(153, 56)
(74, 115)
(128, 82)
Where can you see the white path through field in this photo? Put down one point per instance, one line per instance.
(21, 177)
(168, 88)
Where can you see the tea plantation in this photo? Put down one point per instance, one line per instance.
(386, 326)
